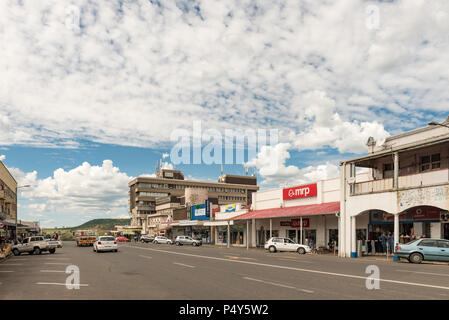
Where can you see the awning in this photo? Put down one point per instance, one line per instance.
(165, 228)
(308, 210)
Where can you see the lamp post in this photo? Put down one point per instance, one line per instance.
(17, 208)
(432, 123)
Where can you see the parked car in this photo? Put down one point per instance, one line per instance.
(122, 239)
(160, 239)
(426, 249)
(57, 242)
(180, 240)
(146, 239)
(284, 244)
(34, 245)
(105, 243)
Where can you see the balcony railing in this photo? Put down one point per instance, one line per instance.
(418, 180)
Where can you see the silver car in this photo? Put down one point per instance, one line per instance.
(180, 240)
(160, 239)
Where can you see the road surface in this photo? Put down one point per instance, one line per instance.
(148, 271)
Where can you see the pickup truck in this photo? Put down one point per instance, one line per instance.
(34, 245)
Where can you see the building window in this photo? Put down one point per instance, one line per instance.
(430, 162)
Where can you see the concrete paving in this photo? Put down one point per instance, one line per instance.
(148, 271)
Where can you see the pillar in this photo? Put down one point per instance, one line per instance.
(353, 238)
(271, 227)
(396, 230)
(253, 233)
(396, 170)
(247, 234)
(300, 230)
(228, 235)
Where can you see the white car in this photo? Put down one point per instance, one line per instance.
(105, 243)
(285, 244)
(160, 239)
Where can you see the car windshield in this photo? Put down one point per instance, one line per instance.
(413, 241)
(107, 239)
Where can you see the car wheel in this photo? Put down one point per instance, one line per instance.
(16, 252)
(177, 243)
(52, 251)
(272, 249)
(416, 258)
(37, 251)
(116, 250)
(301, 250)
(155, 242)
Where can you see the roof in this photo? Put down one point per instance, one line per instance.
(307, 210)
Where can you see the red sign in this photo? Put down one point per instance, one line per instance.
(295, 223)
(306, 191)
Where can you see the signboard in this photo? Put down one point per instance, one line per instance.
(199, 212)
(305, 191)
(296, 223)
(230, 207)
(422, 213)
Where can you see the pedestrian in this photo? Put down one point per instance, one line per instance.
(383, 240)
(391, 242)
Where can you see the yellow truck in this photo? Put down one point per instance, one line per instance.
(85, 237)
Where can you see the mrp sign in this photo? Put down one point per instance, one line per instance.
(306, 191)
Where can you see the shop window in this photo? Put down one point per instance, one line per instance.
(430, 162)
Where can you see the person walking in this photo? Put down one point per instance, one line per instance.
(383, 240)
(391, 242)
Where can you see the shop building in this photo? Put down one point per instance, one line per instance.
(8, 203)
(307, 214)
(404, 191)
(145, 190)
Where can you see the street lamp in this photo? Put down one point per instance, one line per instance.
(432, 123)
(17, 208)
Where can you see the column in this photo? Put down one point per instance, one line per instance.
(229, 235)
(253, 233)
(353, 238)
(396, 230)
(396, 170)
(300, 230)
(271, 227)
(247, 234)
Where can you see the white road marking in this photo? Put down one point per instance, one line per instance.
(278, 284)
(294, 260)
(57, 258)
(58, 263)
(184, 265)
(296, 269)
(11, 264)
(420, 272)
(148, 257)
(53, 271)
(59, 284)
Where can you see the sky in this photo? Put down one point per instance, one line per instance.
(93, 93)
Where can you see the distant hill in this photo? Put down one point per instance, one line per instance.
(102, 224)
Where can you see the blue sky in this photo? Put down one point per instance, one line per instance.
(91, 92)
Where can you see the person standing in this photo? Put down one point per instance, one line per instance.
(391, 242)
(383, 240)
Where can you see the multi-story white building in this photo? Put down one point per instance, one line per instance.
(405, 190)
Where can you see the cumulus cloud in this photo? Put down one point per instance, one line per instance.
(271, 165)
(133, 71)
(86, 189)
(326, 128)
(2, 157)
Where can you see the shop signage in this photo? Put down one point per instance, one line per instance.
(305, 191)
(230, 208)
(199, 212)
(188, 223)
(421, 213)
(296, 223)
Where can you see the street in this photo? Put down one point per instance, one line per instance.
(148, 271)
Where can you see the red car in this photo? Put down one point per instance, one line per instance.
(122, 239)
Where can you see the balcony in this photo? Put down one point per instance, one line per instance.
(411, 181)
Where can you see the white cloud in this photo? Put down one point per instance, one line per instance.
(271, 165)
(2, 157)
(87, 189)
(165, 155)
(136, 70)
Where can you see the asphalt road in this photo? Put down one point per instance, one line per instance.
(148, 271)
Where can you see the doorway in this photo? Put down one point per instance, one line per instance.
(309, 238)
